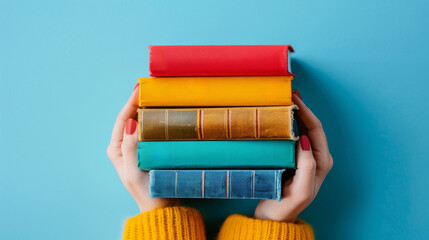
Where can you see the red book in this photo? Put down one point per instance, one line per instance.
(217, 60)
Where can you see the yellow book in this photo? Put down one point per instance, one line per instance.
(215, 91)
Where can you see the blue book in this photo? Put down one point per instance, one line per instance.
(268, 154)
(223, 184)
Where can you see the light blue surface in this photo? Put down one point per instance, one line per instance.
(66, 68)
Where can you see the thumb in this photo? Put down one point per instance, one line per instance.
(129, 147)
(303, 181)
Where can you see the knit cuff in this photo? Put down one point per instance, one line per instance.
(171, 223)
(241, 227)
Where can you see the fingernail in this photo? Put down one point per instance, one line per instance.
(131, 126)
(305, 143)
(136, 86)
(297, 93)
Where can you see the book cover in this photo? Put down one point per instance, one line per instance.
(251, 123)
(215, 91)
(224, 184)
(217, 60)
(216, 154)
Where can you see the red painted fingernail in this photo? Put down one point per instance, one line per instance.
(305, 143)
(297, 93)
(136, 86)
(131, 126)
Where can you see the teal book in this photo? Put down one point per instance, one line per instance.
(221, 184)
(216, 154)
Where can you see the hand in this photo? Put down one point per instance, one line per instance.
(122, 151)
(313, 164)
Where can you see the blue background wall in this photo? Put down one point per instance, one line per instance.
(67, 68)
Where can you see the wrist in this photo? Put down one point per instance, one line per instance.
(155, 203)
(277, 218)
(273, 213)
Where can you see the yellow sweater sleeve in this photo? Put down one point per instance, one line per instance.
(171, 223)
(240, 227)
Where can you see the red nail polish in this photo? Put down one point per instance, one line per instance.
(131, 126)
(297, 93)
(305, 143)
(136, 86)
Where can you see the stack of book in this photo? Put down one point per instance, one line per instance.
(217, 121)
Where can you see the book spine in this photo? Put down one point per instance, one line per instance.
(215, 154)
(216, 123)
(216, 91)
(222, 184)
(238, 60)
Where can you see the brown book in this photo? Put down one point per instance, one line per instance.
(235, 123)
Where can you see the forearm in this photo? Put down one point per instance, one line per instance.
(170, 223)
(241, 227)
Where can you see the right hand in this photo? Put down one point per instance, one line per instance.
(122, 151)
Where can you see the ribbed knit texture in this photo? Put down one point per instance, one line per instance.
(171, 223)
(239, 227)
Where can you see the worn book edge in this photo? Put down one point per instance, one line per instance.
(278, 186)
(291, 120)
(140, 124)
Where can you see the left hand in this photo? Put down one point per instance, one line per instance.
(313, 164)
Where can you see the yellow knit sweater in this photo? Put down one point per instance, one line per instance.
(181, 223)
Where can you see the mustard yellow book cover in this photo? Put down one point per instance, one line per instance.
(215, 91)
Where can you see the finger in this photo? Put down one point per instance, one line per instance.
(301, 127)
(313, 125)
(306, 115)
(317, 137)
(129, 150)
(128, 111)
(302, 186)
